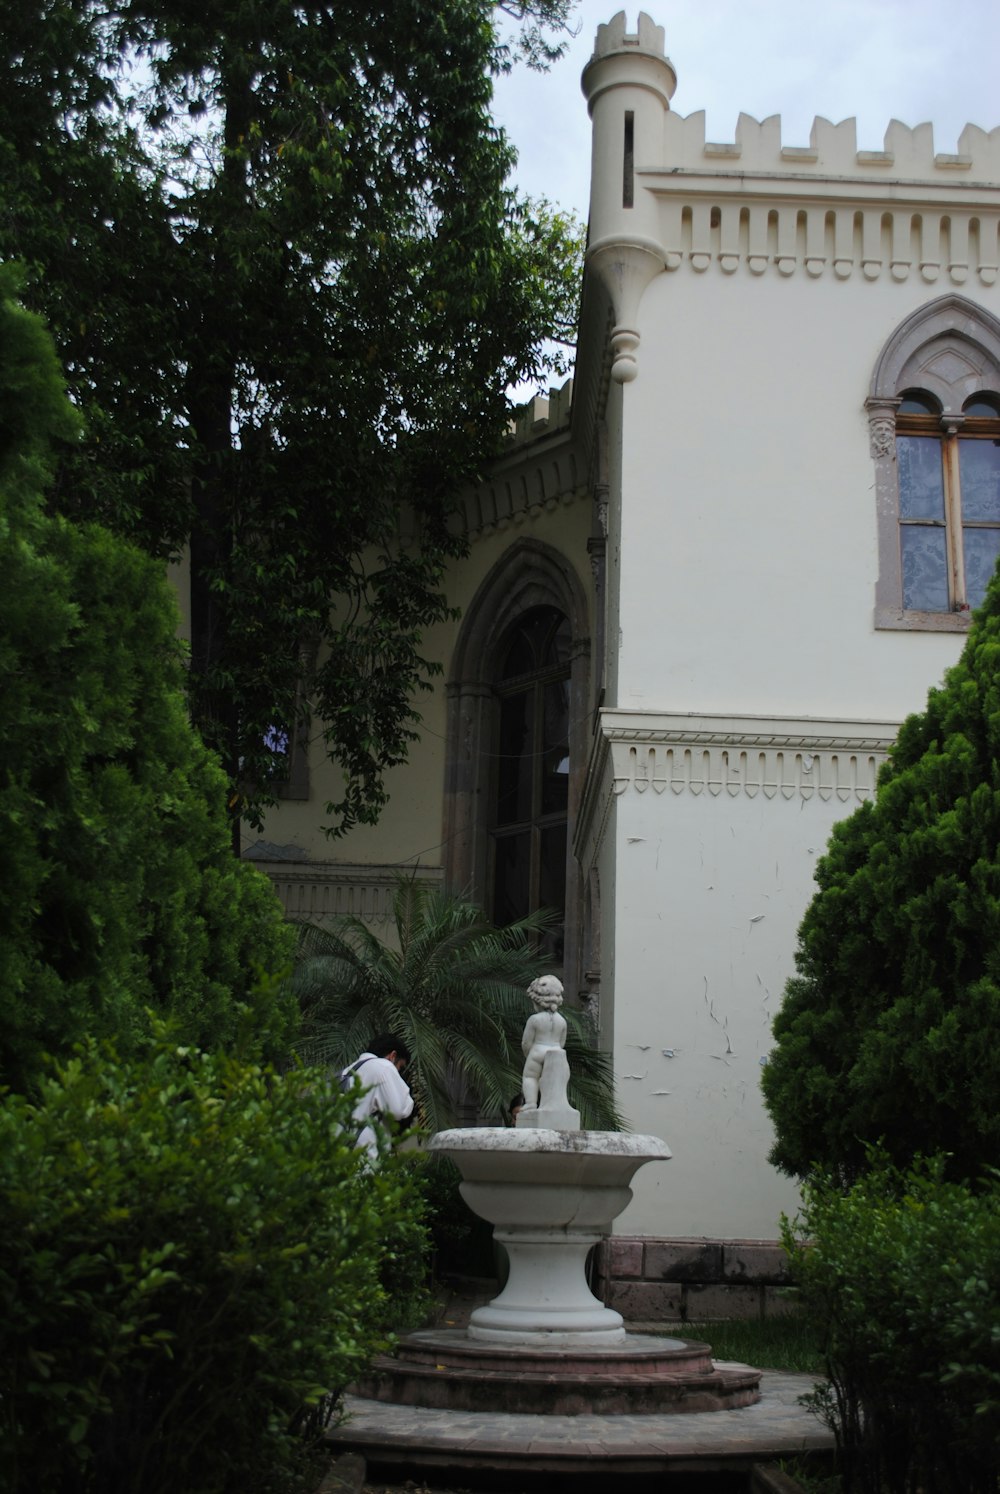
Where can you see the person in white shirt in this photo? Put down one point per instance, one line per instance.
(380, 1072)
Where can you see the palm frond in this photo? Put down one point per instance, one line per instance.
(454, 991)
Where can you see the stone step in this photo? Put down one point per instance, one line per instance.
(443, 1370)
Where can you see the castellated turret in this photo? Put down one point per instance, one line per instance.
(628, 84)
(663, 198)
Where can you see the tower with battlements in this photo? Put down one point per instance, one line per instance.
(799, 354)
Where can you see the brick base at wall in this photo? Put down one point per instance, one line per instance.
(653, 1280)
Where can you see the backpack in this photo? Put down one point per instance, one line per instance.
(346, 1080)
(346, 1077)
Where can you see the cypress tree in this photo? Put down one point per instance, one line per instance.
(119, 893)
(890, 1032)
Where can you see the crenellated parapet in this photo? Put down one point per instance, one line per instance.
(539, 471)
(615, 36)
(828, 208)
(542, 415)
(664, 198)
(908, 153)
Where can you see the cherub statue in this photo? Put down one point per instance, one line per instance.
(544, 1030)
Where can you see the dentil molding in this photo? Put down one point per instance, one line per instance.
(746, 755)
(774, 758)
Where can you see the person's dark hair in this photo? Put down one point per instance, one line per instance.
(386, 1043)
(515, 1104)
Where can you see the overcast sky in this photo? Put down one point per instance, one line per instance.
(913, 60)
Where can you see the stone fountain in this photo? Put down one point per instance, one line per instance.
(545, 1343)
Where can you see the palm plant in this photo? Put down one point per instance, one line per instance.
(454, 992)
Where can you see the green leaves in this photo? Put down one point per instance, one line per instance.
(891, 1031)
(172, 1311)
(453, 988)
(121, 893)
(902, 1275)
(290, 287)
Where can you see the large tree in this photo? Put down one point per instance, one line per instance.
(290, 286)
(890, 1032)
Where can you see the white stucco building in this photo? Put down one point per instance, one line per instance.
(704, 588)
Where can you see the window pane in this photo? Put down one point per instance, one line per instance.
(555, 748)
(921, 490)
(979, 475)
(516, 762)
(541, 638)
(552, 884)
(925, 569)
(528, 822)
(916, 402)
(512, 877)
(519, 658)
(982, 546)
(277, 740)
(982, 406)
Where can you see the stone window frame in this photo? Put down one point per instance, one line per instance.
(950, 348)
(529, 574)
(296, 783)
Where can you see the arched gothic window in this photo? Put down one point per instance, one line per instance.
(949, 501)
(518, 741)
(531, 766)
(934, 410)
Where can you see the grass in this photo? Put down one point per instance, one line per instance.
(810, 1475)
(784, 1342)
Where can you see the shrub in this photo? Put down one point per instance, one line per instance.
(191, 1264)
(902, 1275)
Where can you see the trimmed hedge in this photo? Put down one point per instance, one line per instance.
(192, 1259)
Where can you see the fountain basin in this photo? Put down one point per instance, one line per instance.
(551, 1196)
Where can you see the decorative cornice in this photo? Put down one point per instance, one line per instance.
(790, 771)
(838, 230)
(773, 757)
(316, 891)
(776, 758)
(901, 212)
(743, 731)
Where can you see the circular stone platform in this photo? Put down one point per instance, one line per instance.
(467, 1448)
(443, 1369)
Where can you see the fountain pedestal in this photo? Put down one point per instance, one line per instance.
(546, 1296)
(551, 1196)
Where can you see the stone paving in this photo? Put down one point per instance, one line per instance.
(777, 1426)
